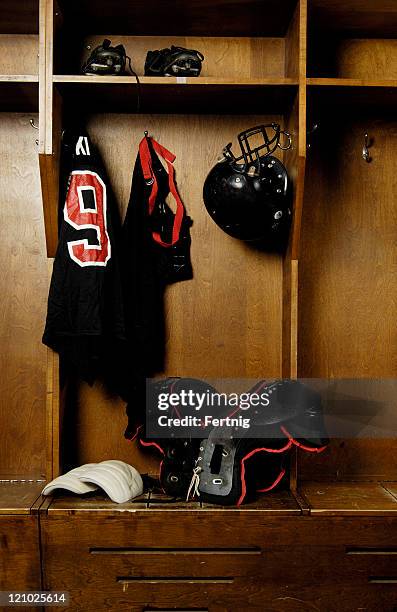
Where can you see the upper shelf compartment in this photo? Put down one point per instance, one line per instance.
(19, 16)
(19, 39)
(353, 39)
(181, 17)
(240, 40)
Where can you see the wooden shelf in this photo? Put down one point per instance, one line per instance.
(193, 18)
(353, 93)
(327, 82)
(202, 95)
(350, 498)
(19, 497)
(19, 93)
(164, 81)
(318, 498)
(19, 17)
(279, 502)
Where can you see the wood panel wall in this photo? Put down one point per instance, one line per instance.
(352, 58)
(348, 263)
(23, 289)
(227, 321)
(19, 54)
(348, 282)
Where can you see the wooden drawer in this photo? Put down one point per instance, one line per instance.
(233, 560)
(19, 553)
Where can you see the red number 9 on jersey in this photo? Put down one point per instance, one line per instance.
(85, 208)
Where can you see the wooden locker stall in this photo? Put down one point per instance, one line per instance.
(205, 334)
(24, 454)
(326, 308)
(224, 323)
(347, 292)
(347, 275)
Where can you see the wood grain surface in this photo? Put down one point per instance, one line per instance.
(23, 286)
(19, 54)
(357, 58)
(280, 502)
(19, 554)
(218, 325)
(223, 57)
(239, 557)
(348, 291)
(19, 497)
(238, 325)
(349, 499)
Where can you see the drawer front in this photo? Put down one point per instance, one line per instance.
(114, 563)
(244, 595)
(19, 553)
(222, 529)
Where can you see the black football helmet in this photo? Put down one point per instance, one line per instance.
(248, 196)
(106, 60)
(176, 61)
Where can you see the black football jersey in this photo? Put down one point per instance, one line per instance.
(85, 317)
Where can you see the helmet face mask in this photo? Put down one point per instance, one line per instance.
(248, 196)
(251, 154)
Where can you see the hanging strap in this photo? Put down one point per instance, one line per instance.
(150, 178)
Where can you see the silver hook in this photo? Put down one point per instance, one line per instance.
(365, 153)
(288, 137)
(32, 123)
(146, 133)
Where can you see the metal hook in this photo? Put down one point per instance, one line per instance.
(32, 123)
(146, 133)
(288, 137)
(365, 153)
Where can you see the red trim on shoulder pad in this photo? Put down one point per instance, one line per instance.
(310, 449)
(146, 444)
(135, 434)
(248, 456)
